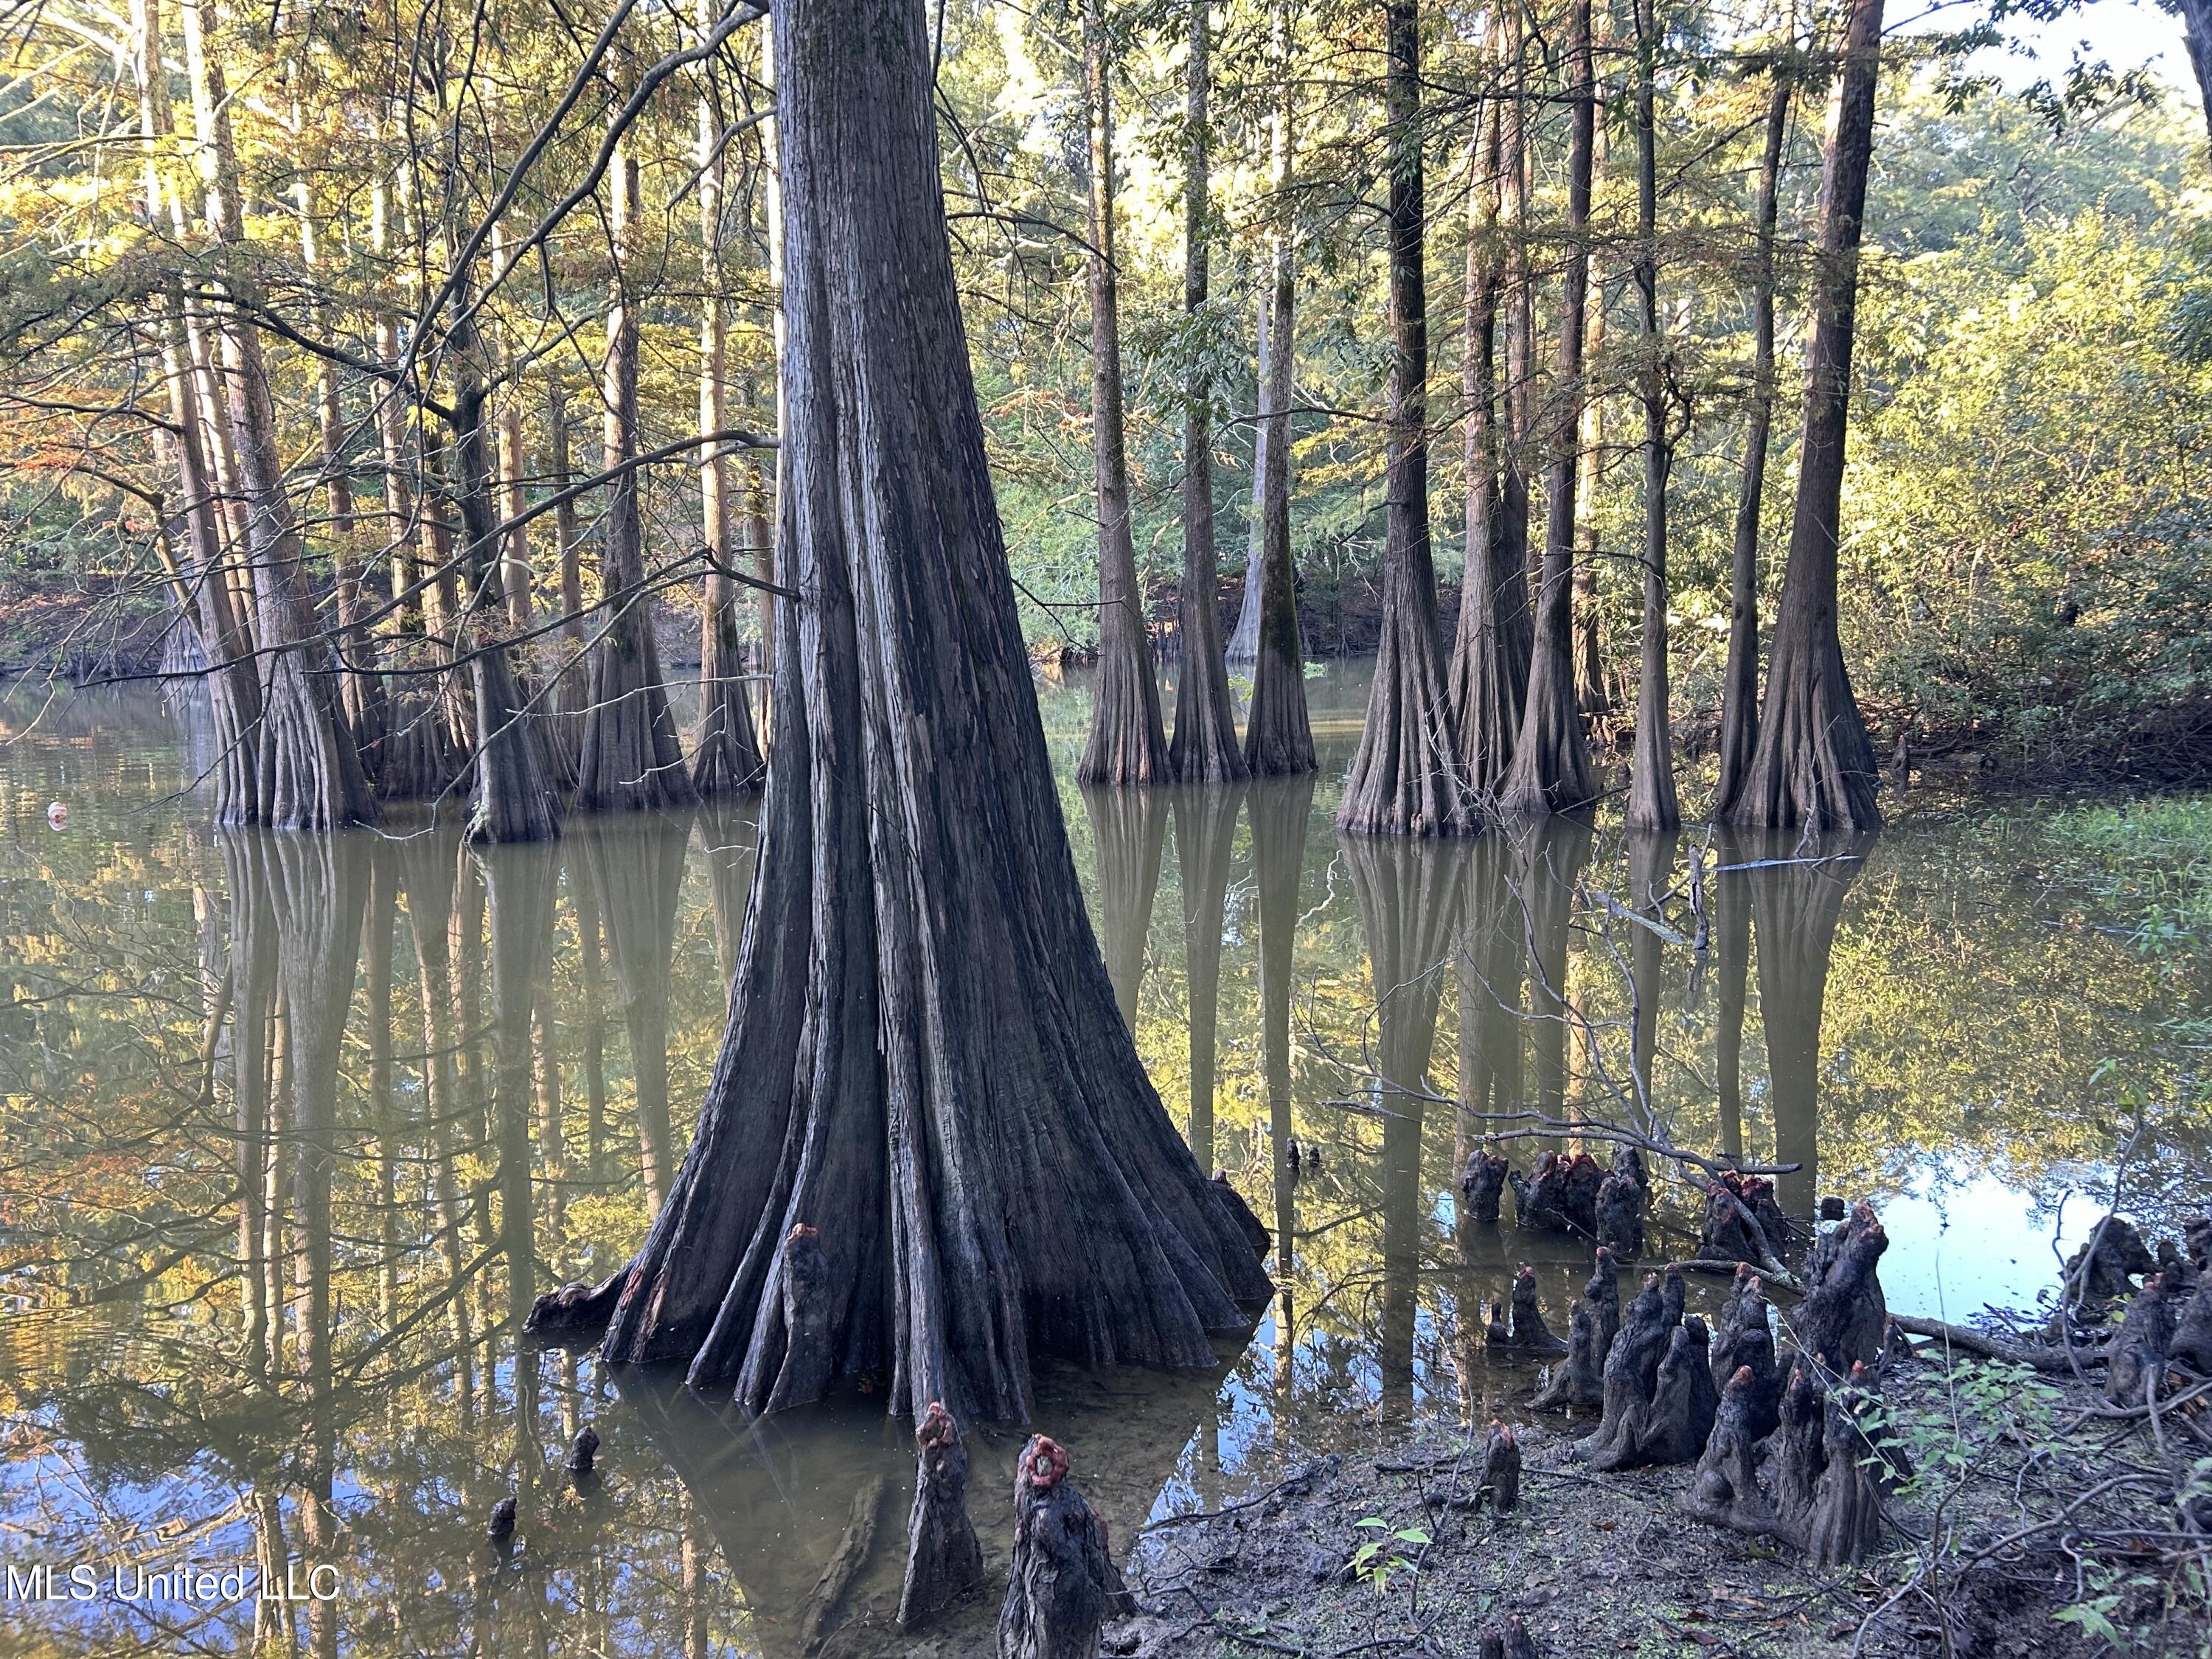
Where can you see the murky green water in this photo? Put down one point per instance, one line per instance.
(293, 1129)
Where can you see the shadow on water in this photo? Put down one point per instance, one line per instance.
(296, 1129)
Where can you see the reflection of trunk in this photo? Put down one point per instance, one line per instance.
(1407, 778)
(590, 947)
(1548, 861)
(1798, 901)
(1490, 971)
(637, 875)
(1126, 744)
(1278, 735)
(728, 840)
(1650, 867)
(311, 770)
(1409, 909)
(253, 994)
(928, 1151)
(631, 758)
(1204, 748)
(1128, 829)
(1205, 827)
(426, 866)
(1731, 901)
(1490, 653)
(1739, 681)
(1812, 762)
(381, 924)
(1281, 813)
(1550, 768)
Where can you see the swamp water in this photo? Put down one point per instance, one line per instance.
(295, 1129)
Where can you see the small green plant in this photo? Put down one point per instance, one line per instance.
(1381, 1557)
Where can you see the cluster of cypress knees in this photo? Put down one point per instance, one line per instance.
(2168, 1322)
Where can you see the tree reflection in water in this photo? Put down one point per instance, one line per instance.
(295, 1127)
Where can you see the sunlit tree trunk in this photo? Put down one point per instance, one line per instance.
(631, 758)
(1278, 733)
(1651, 799)
(1551, 769)
(726, 756)
(1244, 639)
(1739, 680)
(2197, 34)
(1204, 749)
(312, 771)
(1408, 778)
(1812, 763)
(1126, 743)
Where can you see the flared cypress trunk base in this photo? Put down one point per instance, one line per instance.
(631, 759)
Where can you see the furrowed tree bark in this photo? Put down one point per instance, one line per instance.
(923, 1053)
(1652, 804)
(1127, 743)
(1278, 733)
(1551, 769)
(1812, 762)
(1204, 748)
(631, 758)
(312, 774)
(2196, 34)
(1408, 777)
(1740, 679)
(1489, 673)
(725, 758)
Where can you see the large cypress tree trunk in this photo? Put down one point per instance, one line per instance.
(1740, 679)
(1408, 778)
(1550, 767)
(234, 687)
(928, 1152)
(1651, 799)
(1812, 763)
(725, 758)
(1490, 650)
(311, 771)
(1205, 747)
(1277, 734)
(631, 758)
(1127, 743)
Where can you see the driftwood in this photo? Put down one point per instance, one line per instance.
(1482, 1185)
(2136, 1368)
(1062, 1584)
(944, 1562)
(816, 1618)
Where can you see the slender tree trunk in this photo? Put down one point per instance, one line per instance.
(1739, 680)
(571, 688)
(1126, 743)
(2196, 34)
(391, 430)
(1277, 734)
(1408, 778)
(725, 758)
(313, 770)
(631, 758)
(1244, 642)
(1551, 769)
(929, 1151)
(1517, 617)
(1651, 799)
(1813, 764)
(1204, 748)
(1592, 695)
(514, 577)
(1477, 685)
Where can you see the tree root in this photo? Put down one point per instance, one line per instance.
(944, 1562)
